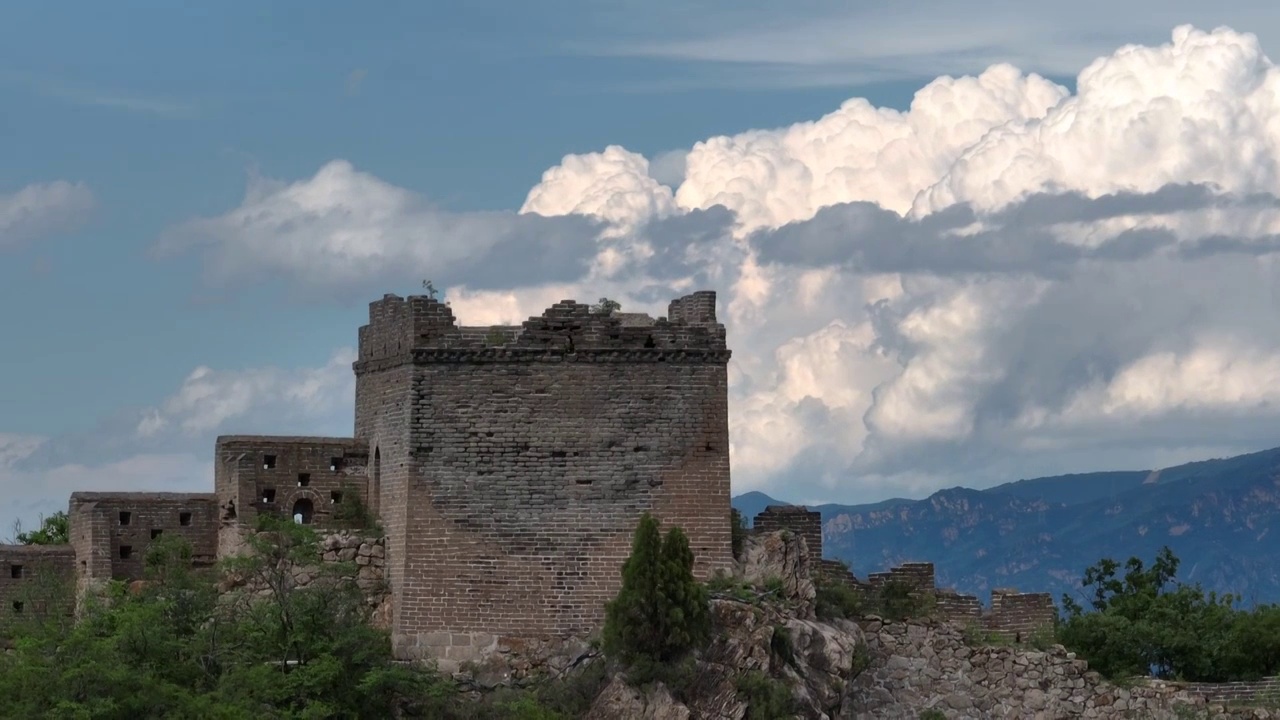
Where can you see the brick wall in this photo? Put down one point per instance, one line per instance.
(954, 607)
(919, 575)
(1012, 613)
(514, 471)
(35, 582)
(1020, 614)
(110, 532)
(284, 475)
(796, 518)
(1266, 689)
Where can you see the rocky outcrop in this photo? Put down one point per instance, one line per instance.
(620, 701)
(780, 558)
(875, 669)
(917, 666)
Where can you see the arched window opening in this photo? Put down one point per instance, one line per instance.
(303, 511)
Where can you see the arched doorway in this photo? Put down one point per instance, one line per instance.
(303, 511)
(375, 482)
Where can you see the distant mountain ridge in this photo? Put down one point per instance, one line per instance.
(1220, 517)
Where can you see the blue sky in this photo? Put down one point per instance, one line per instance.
(163, 111)
(159, 116)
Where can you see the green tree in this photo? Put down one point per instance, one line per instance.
(53, 530)
(606, 306)
(661, 613)
(172, 648)
(687, 601)
(1145, 621)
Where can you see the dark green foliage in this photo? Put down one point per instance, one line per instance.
(932, 714)
(606, 306)
(894, 600)
(170, 649)
(897, 600)
(737, 533)
(53, 530)
(1144, 621)
(661, 613)
(838, 600)
(780, 644)
(353, 513)
(767, 698)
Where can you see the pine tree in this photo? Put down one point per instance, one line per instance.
(661, 612)
(686, 602)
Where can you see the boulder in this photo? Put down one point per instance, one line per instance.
(620, 701)
(781, 557)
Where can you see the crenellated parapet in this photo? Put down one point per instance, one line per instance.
(422, 330)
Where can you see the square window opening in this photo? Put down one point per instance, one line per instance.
(17, 606)
(184, 519)
(304, 479)
(268, 462)
(335, 464)
(335, 497)
(269, 495)
(126, 552)
(156, 532)
(126, 517)
(15, 571)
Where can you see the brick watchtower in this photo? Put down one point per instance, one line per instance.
(510, 465)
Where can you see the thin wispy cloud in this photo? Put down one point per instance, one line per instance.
(840, 44)
(110, 98)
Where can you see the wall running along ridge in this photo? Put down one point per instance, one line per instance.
(1013, 615)
(508, 465)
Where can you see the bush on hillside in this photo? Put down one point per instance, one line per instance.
(1143, 621)
(661, 613)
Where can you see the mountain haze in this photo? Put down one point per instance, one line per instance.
(1218, 516)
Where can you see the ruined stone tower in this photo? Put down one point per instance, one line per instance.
(510, 465)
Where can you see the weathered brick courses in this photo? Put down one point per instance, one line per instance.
(796, 518)
(515, 462)
(508, 465)
(35, 581)
(281, 476)
(110, 532)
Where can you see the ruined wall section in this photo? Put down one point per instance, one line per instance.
(1020, 615)
(796, 518)
(1015, 615)
(284, 476)
(528, 464)
(36, 581)
(110, 532)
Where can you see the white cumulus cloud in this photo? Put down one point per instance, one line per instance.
(1004, 279)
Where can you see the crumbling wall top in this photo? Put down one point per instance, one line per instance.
(422, 329)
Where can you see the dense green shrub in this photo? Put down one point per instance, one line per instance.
(1144, 621)
(661, 613)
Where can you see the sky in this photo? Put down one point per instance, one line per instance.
(1031, 241)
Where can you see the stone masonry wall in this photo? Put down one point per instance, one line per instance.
(917, 667)
(110, 532)
(1013, 614)
(1020, 614)
(35, 581)
(526, 462)
(796, 518)
(367, 554)
(283, 476)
